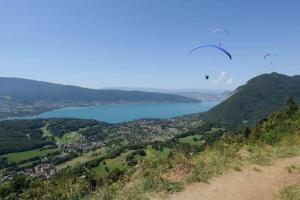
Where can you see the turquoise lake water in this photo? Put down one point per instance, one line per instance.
(126, 112)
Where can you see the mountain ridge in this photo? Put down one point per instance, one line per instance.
(254, 100)
(20, 97)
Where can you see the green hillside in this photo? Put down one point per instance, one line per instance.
(255, 100)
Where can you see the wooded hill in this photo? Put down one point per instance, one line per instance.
(256, 99)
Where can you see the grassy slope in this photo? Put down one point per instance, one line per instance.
(193, 139)
(230, 152)
(111, 164)
(85, 157)
(289, 192)
(46, 132)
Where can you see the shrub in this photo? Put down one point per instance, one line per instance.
(115, 175)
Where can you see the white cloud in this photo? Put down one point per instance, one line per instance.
(230, 80)
(222, 76)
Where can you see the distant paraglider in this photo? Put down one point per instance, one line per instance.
(206, 77)
(212, 46)
(220, 30)
(269, 55)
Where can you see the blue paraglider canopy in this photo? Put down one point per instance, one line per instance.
(270, 54)
(212, 46)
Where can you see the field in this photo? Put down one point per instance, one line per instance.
(121, 163)
(46, 132)
(111, 164)
(85, 157)
(164, 152)
(67, 138)
(25, 155)
(193, 139)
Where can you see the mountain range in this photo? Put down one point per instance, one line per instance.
(200, 94)
(19, 97)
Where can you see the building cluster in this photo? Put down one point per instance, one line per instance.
(147, 130)
(82, 144)
(44, 170)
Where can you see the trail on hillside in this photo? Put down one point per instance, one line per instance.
(254, 182)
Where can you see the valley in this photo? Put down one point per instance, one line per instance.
(73, 141)
(155, 156)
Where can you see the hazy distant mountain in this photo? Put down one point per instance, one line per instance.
(22, 97)
(256, 99)
(205, 95)
(200, 94)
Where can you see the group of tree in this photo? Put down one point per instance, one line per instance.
(21, 135)
(254, 101)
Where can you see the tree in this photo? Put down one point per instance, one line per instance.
(115, 175)
(19, 182)
(290, 106)
(246, 132)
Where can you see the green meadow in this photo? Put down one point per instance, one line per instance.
(25, 155)
(193, 139)
(84, 157)
(111, 164)
(67, 138)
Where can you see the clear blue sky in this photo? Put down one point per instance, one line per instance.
(144, 43)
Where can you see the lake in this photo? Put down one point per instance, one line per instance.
(116, 113)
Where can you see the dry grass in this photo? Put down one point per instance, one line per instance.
(291, 192)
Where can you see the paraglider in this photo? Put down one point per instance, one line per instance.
(268, 55)
(220, 30)
(212, 46)
(206, 77)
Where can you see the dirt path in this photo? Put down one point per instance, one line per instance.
(248, 184)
